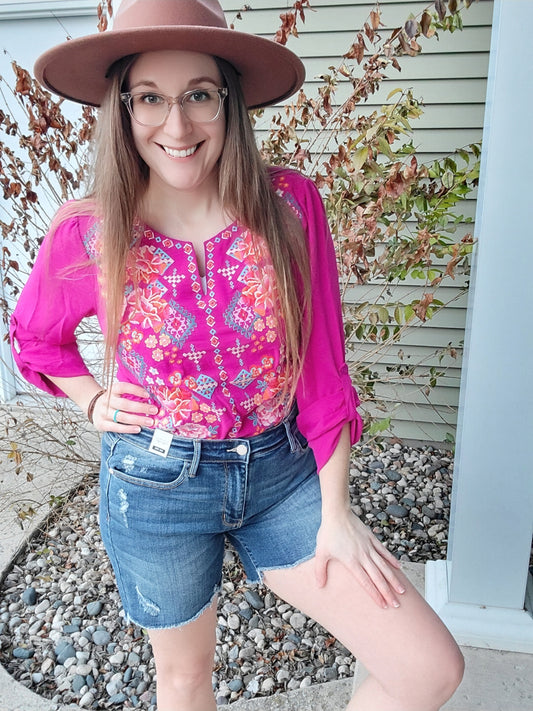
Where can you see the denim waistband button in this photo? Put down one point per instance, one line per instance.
(241, 449)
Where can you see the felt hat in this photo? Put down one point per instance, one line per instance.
(77, 69)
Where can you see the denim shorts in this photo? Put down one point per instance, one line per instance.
(164, 520)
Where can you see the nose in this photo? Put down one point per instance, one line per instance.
(177, 121)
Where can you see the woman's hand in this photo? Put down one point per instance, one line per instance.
(113, 412)
(346, 539)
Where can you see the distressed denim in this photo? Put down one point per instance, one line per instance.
(164, 520)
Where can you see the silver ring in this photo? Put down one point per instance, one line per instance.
(115, 416)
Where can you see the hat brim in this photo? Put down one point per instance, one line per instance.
(77, 69)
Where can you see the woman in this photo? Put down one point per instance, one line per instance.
(215, 283)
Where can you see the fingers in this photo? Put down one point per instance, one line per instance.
(120, 388)
(387, 555)
(118, 412)
(384, 581)
(379, 566)
(369, 586)
(124, 421)
(371, 564)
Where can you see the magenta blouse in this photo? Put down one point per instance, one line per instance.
(209, 351)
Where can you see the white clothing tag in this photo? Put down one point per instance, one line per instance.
(160, 443)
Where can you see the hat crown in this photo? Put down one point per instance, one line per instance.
(79, 68)
(168, 13)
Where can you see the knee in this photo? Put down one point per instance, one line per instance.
(442, 680)
(451, 674)
(426, 683)
(188, 676)
(186, 680)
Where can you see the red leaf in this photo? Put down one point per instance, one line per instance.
(422, 306)
(23, 84)
(375, 18)
(357, 50)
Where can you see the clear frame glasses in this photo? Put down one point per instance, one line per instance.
(149, 108)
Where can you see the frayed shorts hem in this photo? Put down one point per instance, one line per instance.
(177, 625)
(289, 566)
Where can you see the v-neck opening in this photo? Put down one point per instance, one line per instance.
(228, 228)
(203, 277)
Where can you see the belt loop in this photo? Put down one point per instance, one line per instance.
(197, 453)
(290, 436)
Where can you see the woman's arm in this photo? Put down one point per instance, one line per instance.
(132, 414)
(325, 396)
(343, 537)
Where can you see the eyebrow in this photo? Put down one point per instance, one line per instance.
(192, 82)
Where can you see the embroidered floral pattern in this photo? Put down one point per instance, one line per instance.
(212, 361)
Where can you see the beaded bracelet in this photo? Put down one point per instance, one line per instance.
(90, 409)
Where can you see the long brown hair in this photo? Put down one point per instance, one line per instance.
(120, 180)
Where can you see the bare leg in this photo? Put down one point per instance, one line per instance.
(184, 664)
(413, 661)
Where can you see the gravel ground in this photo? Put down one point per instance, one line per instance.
(63, 636)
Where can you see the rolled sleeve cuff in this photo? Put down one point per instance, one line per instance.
(321, 421)
(35, 358)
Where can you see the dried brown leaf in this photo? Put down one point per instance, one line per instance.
(440, 8)
(411, 28)
(375, 19)
(425, 23)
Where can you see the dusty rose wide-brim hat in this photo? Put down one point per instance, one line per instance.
(77, 69)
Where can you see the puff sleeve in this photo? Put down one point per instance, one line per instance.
(61, 290)
(325, 395)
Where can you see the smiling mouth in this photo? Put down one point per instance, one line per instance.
(182, 153)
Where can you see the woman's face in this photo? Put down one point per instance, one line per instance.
(181, 154)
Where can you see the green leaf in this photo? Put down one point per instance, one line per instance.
(409, 313)
(359, 159)
(379, 426)
(383, 314)
(399, 315)
(393, 93)
(448, 179)
(384, 147)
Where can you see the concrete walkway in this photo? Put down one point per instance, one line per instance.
(494, 680)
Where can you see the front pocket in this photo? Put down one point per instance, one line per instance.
(137, 466)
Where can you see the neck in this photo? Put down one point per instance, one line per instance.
(178, 213)
(193, 215)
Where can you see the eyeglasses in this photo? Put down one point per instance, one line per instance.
(150, 109)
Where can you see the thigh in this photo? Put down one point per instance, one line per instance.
(398, 646)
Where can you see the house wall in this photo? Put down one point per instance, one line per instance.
(450, 78)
